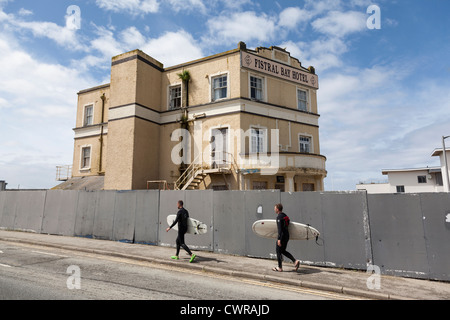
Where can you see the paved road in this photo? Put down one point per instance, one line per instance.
(32, 272)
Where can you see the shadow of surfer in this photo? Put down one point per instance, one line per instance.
(283, 239)
(182, 221)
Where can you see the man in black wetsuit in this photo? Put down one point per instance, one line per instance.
(283, 238)
(182, 219)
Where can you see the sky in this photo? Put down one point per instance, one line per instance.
(384, 96)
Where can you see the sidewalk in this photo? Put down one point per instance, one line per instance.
(328, 279)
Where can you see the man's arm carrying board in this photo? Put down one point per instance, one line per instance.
(194, 226)
(297, 231)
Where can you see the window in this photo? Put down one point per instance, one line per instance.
(85, 157)
(302, 100)
(219, 87)
(256, 88)
(422, 179)
(305, 144)
(401, 189)
(219, 147)
(308, 187)
(88, 115)
(258, 141)
(175, 97)
(439, 181)
(259, 185)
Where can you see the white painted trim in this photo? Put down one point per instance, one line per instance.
(218, 109)
(89, 131)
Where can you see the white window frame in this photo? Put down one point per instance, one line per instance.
(264, 137)
(82, 157)
(211, 85)
(308, 98)
(311, 145)
(85, 124)
(169, 100)
(228, 142)
(263, 87)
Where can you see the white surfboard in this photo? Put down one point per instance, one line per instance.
(297, 231)
(194, 226)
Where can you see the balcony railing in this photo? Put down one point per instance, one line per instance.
(63, 173)
(282, 160)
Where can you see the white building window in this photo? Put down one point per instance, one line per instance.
(219, 87)
(422, 179)
(305, 144)
(302, 100)
(88, 115)
(85, 158)
(258, 140)
(256, 88)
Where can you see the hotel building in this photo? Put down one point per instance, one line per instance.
(238, 120)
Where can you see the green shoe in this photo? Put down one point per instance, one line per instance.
(175, 257)
(192, 258)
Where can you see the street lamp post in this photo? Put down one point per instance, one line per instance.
(445, 162)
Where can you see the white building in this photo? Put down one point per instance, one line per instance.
(440, 154)
(417, 180)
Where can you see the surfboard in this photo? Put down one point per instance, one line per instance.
(297, 231)
(194, 226)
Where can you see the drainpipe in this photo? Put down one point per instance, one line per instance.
(103, 97)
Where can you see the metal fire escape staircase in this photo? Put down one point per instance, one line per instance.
(196, 173)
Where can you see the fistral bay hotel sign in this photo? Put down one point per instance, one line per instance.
(279, 70)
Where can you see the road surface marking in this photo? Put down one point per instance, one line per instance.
(50, 254)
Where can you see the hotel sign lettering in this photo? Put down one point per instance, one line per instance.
(279, 70)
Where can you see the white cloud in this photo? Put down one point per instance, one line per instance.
(187, 6)
(37, 113)
(25, 12)
(132, 38)
(340, 24)
(241, 26)
(371, 120)
(319, 7)
(236, 4)
(63, 36)
(323, 54)
(105, 43)
(170, 48)
(173, 48)
(291, 17)
(133, 7)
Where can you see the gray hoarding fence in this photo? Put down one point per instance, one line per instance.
(403, 234)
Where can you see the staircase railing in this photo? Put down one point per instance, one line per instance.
(197, 165)
(189, 172)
